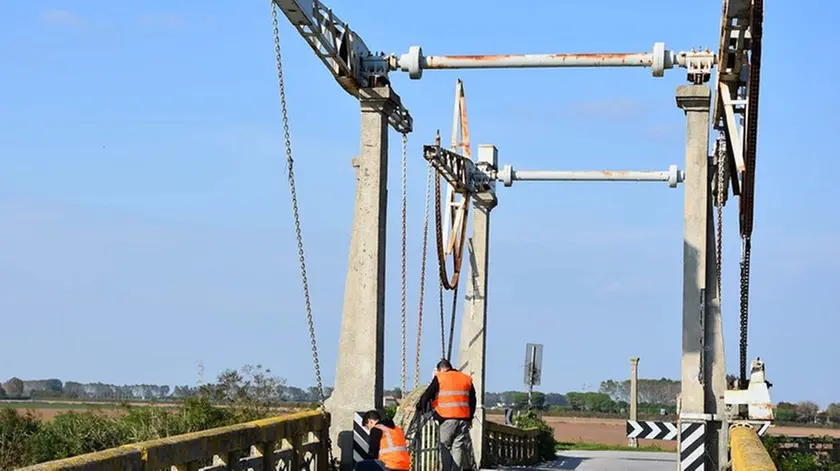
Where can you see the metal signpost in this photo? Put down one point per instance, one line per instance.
(533, 368)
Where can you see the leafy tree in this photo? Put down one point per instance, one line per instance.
(2, 392)
(806, 411)
(577, 401)
(251, 393)
(520, 400)
(13, 387)
(785, 412)
(591, 401)
(659, 391)
(554, 399)
(833, 410)
(599, 402)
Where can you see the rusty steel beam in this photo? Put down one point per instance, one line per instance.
(698, 63)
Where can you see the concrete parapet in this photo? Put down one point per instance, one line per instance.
(298, 440)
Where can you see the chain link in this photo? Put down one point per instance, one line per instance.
(442, 320)
(452, 322)
(295, 212)
(403, 260)
(721, 196)
(745, 299)
(423, 275)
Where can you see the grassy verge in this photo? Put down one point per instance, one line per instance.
(561, 446)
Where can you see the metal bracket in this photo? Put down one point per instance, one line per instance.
(343, 52)
(699, 65)
(454, 168)
(755, 399)
(699, 417)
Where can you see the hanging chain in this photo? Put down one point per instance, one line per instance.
(745, 300)
(452, 322)
(290, 163)
(423, 274)
(442, 320)
(721, 196)
(403, 260)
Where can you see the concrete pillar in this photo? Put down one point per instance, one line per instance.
(703, 369)
(473, 345)
(359, 373)
(634, 395)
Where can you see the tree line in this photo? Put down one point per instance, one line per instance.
(16, 388)
(656, 396)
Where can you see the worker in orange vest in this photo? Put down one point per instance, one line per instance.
(451, 395)
(386, 442)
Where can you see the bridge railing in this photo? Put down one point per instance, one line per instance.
(294, 442)
(506, 445)
(510, 446)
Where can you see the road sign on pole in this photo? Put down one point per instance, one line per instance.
(533, 364)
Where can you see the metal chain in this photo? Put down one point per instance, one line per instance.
(452, 322)
(295, 212)
(748, 183)
(745, 300)
(423, 274)
(721, 195)
(442, 320)
(403, 260)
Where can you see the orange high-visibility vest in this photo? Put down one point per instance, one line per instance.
(393, 450)
(453, 397)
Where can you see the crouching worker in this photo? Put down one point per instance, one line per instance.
(387, 442)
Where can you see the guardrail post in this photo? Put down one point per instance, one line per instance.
(266, 451)
(297, 447)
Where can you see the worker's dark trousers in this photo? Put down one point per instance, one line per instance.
(447, 463)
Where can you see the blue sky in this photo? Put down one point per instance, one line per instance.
(145, 222)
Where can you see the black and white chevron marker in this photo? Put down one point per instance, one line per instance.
(651, 430)
(692, 446)
(360, 438)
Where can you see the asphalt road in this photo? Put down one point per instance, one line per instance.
(611, 461)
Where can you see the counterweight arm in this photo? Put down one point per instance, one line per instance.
(343, 52)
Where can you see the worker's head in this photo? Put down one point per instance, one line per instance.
(370, 419)
(444, 365)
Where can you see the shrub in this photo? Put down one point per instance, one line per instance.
(545, 440)
(16, 432)
(793, 459)
(75, 433)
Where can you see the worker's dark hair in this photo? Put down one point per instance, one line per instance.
(371, 415)
(444, 363)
